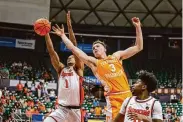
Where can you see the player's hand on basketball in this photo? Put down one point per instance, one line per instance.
(136, 21)
(58, 31)
(69, 20)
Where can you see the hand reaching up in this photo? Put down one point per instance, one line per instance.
(58, 31)
(136, 22)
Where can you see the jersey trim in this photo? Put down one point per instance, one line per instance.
(127, 103)
(53, 118)
(153, 106)
(143, 101)
(81, 89)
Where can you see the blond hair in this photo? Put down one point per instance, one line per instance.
(100, 42)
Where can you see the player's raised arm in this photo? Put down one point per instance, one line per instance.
(53, 55)
(88, 60)
(129, 52)
(79, 63)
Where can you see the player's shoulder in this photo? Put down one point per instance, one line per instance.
(130, 98)
(156, 102)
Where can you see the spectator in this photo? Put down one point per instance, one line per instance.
(30, 103)
(26, 84)
(19, 64)
(1, 109)
(47, 99)
(19, 88)
(95, 102)
(25, 104)
(46, 75)
(45, 88)
(28, 112)
(5, 92)
(33, 87)
(92, 111)
(25, 91)
(4, 72)
(24, 65)
(173, 98)
(40, 89)
(167, 115)
(12, 97)
(98, 111)
(52, 95)
(41, 107)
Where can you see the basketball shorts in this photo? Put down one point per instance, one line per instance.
(114, 103)
(63, 114)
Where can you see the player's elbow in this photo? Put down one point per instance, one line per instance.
(140, 48)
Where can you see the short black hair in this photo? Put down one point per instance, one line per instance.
(100, 42)
(148, 79)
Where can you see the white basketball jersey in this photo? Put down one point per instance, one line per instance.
(144, 107)
(68, 88)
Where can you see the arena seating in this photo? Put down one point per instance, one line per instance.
(167, 73)
(167, 78)
(23, 71)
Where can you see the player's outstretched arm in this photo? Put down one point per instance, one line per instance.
(79, 63)
(53, 55)
(88, 60)
(129, 52)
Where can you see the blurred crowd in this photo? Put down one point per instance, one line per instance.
(24, 71)
(171, 115)
(26, 102)
(37, 99)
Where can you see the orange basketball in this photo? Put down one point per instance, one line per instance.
(42, 26)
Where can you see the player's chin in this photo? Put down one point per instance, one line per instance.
(133, 92)
(97, 55)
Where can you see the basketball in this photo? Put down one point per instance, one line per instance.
(42, 26)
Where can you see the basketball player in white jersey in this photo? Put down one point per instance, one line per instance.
(70, 92)
(141, 107)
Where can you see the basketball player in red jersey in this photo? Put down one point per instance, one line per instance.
(108, 69)
(70, 92)
(141, 107)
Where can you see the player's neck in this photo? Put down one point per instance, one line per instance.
(143, 96)
(103, 56)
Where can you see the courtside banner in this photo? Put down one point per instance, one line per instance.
(26, 44)
(92, 80)
(87, 48)
(7, 42)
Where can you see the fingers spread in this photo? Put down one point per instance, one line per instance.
(54, 28)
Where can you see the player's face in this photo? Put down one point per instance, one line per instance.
(98, 50)
(71, 61)
(137, 88)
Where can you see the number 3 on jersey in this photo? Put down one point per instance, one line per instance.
(113, 69)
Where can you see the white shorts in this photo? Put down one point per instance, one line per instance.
(63, 114)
